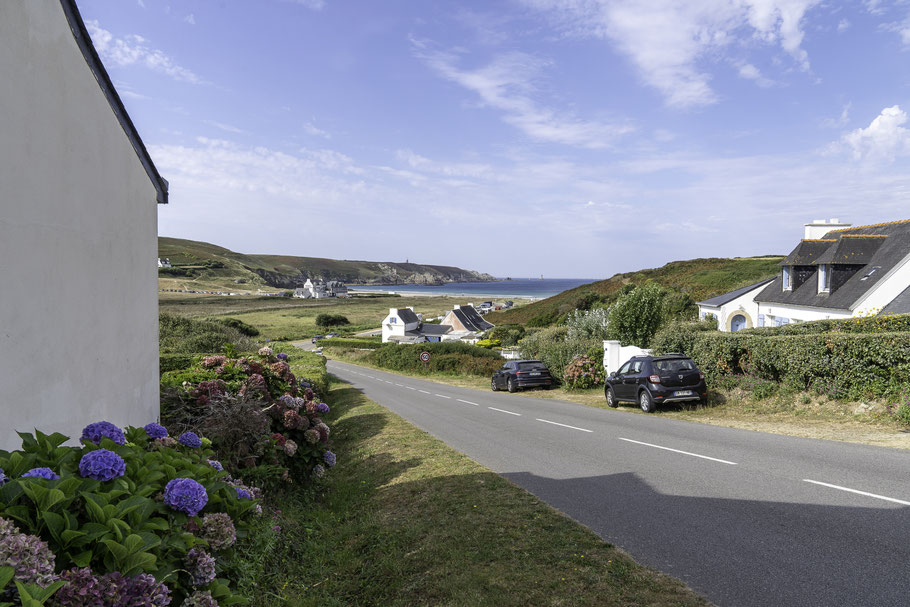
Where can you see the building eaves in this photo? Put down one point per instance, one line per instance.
(720, 300)
(84, 41)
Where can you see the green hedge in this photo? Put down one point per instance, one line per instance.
(843, 365)
(350, 342)
(871, 324)
(452, 358)
(174, 362)
(179, 335)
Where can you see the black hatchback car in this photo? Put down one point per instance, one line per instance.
(517, 374)
(651, 380)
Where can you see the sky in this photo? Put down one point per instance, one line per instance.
(569, 138)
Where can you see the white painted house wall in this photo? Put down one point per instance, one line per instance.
(393, 325)
(892, 285)
(787, 314)
(78, 241)
(744, 305)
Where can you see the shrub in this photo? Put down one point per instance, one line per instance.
(842, 365)
(556, 350)
(583, 373)
(508, 335)
(351, 343)
(636, 315)
(489, 344)
(588, 324)
(100, 521)
(868, 324)
(189, 336)
(242, 327)
(453, 358)
(331, 320)
(174, 362)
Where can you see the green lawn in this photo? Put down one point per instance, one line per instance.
(405, 520)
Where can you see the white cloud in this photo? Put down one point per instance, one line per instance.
(507, 84)
(883, 140)
(191, 19)
(316, 5)
(666, 39)
(224, 127)
(133, 50)
(311, 129)
(750, 72)
(843, 25)
(840, 121)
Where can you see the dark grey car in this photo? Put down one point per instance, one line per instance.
(517, 374)
(651, 380)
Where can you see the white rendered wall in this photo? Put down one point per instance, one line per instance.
(800, 313)
(884, 293)
(78, 241)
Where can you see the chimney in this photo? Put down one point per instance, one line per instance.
(393, 311)
(456, 307)
(819, 227)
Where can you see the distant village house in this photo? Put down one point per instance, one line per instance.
(320, 289)
(462, 323)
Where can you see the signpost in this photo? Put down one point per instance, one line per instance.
(425, 357)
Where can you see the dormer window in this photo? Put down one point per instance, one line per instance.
(824, 278)
(787, 279)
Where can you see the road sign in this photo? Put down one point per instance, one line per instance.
(425, 357)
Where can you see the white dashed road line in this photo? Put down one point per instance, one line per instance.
(467, 402)
(423, 391)
(546, 421)
(504, 411)
(443, 396)
(713, 459)
(410, 388)
(399, 385)
(876, 496)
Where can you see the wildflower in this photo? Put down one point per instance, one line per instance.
(98, 430)
(201, 566)
(218, 530)
(290, 448)
(282, 356)
(200, 598)
(318, 471)
(265, 351)
(185, 495)
(190, 439)
(45, 473)
(154, 430)
(311, 436)
(31, 559)
(329, 458)
(215, 464)
(102, 465)
(322, 408)
(276, 528)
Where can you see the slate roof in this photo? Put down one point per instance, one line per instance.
(84, 42)
(471, 320)
(899, 305)
(431, 329)
(407, 315)
(720, 300)
(873, 251)
(807, 251)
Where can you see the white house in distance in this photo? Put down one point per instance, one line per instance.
(320, 289)
(403, 325)
(164, 262)
(78, 234)
(836, 271)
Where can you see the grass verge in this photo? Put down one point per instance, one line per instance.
(405, 520)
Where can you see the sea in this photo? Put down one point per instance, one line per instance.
(533, 288)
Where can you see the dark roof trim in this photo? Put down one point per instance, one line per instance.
(107, 87)
(719, 300)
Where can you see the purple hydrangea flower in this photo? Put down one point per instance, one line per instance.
(141, 590)
(218, 530)
(215, 464)
(46, 473)
(318, 471)
(243, 494)
(31, 559)
(329, 458)
(102, 465)
(155, 430)
(185, 495)
(201, 566)
(282, 356)
(200, 598)
(322, 408)
(95, 432)
(190, 439)
(82, 589)
(3, 478)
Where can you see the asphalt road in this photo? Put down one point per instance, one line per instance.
(744, 518)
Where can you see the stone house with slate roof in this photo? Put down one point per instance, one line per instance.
(838, 272)
(78, 234)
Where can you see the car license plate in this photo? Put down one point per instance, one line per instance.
(684, 393)
(532, 373)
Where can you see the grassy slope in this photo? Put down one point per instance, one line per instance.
(405, 520)
(191, 252)
(702, 278)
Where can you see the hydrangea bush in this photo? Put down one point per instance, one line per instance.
(583, 373)
(126, 519)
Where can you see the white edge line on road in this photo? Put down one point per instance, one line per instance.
(713, 459)
(504, 411)
(881, 497)
(410, 388)
(467, 402)
(424, 391)
(399, 385)
(443, 396)
(546, 421)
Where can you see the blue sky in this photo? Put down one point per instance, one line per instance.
(570, 138)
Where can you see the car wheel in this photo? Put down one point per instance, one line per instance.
(611, 399)
(646, 402)
(512, 386)
(493, 385)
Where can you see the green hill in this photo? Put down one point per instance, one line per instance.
(700, 278)
(201, 265)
